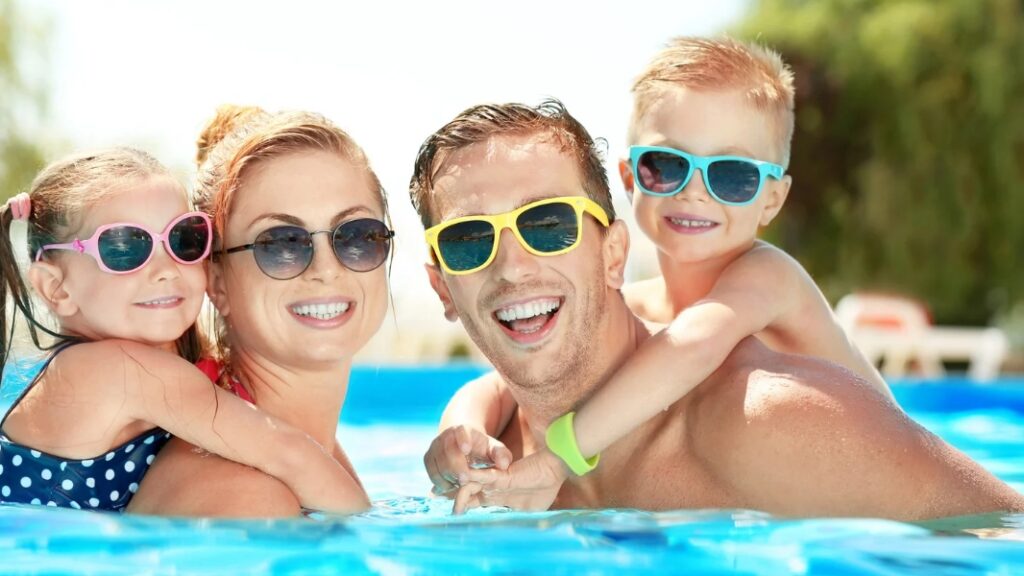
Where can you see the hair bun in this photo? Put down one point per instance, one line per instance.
(227, 118)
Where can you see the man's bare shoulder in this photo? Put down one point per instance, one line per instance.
(799, 435)
(188, 481)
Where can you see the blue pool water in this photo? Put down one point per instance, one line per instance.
(388, 422)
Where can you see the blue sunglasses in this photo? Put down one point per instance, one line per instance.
(731, 180)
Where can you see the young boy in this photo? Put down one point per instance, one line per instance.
(709, 142)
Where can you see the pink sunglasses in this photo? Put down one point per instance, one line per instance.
(123, 247)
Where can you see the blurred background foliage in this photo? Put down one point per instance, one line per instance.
(908, 156)
(24, 98)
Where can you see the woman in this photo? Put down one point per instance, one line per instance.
(300, 236)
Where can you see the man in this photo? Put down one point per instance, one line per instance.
(785, 434)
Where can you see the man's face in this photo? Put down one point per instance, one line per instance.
(534, 317)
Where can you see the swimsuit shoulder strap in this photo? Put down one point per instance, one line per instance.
(46, 364)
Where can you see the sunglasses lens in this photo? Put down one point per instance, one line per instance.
(283, 252)
(466, 245)
(362, 245)
(189, 239)
(662, 172)
(734, 181)
(549, 227)
(124, 248)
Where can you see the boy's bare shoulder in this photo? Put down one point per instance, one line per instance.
(766, 261)
(643, 298)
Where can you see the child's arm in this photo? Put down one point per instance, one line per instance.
(167, 391)
(752, 293)
(475, 416)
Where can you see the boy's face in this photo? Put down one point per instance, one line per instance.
(691, 226)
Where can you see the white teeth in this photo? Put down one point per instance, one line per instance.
(527, 310)
(160, 301)
(687, 223)
(321, 311)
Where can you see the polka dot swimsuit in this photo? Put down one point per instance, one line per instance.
(106, 482)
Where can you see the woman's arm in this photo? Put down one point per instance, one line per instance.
(185, 481)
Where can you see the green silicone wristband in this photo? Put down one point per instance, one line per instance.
(561, 440)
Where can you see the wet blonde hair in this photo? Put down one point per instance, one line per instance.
(239, 138)
(60, 194)
(721, 64)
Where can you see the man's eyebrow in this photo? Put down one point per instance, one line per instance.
(538, 198)
(519, 204)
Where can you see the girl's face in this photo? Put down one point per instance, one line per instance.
(328, 312)
(153, 305)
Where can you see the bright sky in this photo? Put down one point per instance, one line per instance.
(149, 73)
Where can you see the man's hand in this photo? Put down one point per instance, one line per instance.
(459, 450)
(529, 484)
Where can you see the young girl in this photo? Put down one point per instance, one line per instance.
(117, 257)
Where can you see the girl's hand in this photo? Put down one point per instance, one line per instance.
(461, 449)
(529, 484)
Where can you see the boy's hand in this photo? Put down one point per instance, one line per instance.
(461, 449)
(529, 484)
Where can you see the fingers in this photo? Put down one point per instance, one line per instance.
(442, 462)
(463, 440)
(491, 478)
(468, 497)
(500, 455)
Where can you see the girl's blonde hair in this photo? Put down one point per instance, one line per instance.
(60, 195)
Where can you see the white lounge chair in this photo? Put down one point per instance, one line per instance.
(898, 331)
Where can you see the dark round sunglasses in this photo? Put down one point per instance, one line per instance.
(284, 252)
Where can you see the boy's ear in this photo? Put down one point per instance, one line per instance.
(626, 174)
(775, 199)
(615, 248)
(215, 288)
(441, 287)
(48, 281)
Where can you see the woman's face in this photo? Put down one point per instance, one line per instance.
(328, 312)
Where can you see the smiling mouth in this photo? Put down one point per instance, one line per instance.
(692, 222)
(321, 311)
(528, 317)
(160, 302)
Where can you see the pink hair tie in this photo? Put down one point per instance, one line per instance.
(20, 206)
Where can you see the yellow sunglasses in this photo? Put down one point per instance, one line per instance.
(547, 227)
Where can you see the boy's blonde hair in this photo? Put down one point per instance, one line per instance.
(720, 64)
